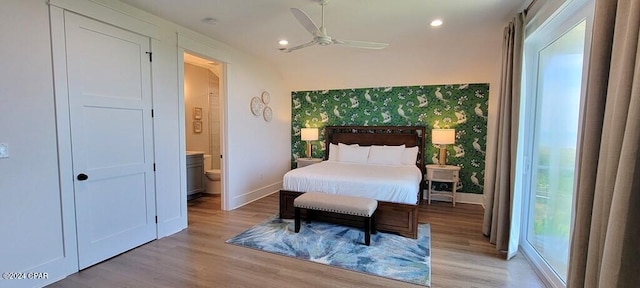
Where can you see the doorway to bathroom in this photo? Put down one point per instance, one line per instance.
(203, 126)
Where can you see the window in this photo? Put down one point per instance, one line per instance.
(554, 73)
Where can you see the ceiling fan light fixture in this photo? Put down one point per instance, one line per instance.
(436, 23)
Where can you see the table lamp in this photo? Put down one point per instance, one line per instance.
(309, 134)
(443, 137)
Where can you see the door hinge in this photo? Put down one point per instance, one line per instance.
(156, 219)
(151, 113)
(154, 167)
(150, 57)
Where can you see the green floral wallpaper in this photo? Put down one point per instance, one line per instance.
(459, 106)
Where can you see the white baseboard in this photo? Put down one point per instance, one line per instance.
(254, 195)
(469, 198)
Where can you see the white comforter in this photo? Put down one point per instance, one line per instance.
(399, 184)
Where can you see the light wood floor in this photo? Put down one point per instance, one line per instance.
(198, 256)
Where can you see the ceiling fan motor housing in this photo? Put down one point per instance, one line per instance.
(324, 40)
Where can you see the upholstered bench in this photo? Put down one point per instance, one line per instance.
(363, 208)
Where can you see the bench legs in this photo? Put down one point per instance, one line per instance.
(369, 225)
(367, 230)
(297, 217)
(373, 223)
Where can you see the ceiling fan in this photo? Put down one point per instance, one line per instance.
(320, 34)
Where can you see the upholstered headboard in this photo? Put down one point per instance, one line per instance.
(410, 136)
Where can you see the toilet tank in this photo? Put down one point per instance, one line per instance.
(207, 162)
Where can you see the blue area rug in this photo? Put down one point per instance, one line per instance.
(389, 255)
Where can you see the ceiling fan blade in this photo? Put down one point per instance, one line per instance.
(304, 19)
(314, 42)
(361, 44)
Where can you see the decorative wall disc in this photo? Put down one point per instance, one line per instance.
(266, 97)
(256, 106)
(267, 114)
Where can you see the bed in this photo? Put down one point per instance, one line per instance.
(397, 201)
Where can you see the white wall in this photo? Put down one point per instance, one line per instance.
(472, 57)
(35, 197)
(30, 205)
(258, 151)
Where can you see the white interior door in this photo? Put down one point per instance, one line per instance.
(111, 133)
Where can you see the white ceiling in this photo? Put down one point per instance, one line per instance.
(255, 26)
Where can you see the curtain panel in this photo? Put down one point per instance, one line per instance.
(605, 245)
(500, 171)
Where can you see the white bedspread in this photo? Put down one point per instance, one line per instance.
(398, 184)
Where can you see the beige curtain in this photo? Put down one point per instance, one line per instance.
(605, 247)
(500, 173)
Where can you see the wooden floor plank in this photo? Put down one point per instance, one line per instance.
(198, 257)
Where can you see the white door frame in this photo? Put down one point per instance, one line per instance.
(186, 45)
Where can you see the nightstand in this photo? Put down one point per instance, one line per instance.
(301, 162)
(442, 173)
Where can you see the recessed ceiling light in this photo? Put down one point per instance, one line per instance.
(209, 20)
(436, 23)
(283, 42)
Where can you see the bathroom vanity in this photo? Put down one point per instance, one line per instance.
(195, 174)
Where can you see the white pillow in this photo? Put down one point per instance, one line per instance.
(410, 156)
(386, 155)
(349, 153)
(334, 151)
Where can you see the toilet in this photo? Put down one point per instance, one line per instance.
(212, 179)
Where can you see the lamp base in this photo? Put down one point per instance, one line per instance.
(309, 149)
(442, 158)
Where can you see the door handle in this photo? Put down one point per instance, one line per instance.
(82, 177)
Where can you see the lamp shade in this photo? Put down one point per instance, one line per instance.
(443, 136)
(309, 134)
